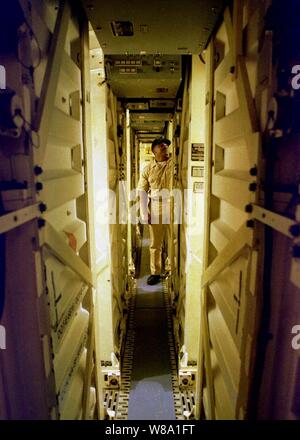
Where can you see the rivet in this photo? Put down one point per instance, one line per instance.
(42, 207)
(250, 223)
(41, 222)
(253, 186)
(38, 186)
(296, 251)
(38, 170)
(295, 230)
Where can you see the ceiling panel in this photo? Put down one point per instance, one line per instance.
(146, 117)
(159, 26)
(146, 76)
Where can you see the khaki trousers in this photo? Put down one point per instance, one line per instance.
(158, 232)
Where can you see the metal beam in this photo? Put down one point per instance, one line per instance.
(275, 221)
(203, 364)
(230, 253)
(90, 360)
(17, 218)
(49, 87)
(207, 357)
(64, 253)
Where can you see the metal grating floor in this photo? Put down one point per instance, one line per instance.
(149, 386)
(151, 393)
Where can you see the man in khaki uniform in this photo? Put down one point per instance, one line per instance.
(154, 187)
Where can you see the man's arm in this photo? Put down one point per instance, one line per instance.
(143, 206)
(143, 187)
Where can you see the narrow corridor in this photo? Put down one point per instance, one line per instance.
(198, 101)
(151, 395)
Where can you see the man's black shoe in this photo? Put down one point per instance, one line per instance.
(153, 279)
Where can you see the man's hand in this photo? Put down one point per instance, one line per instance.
(146, 218)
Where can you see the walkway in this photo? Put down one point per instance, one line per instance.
(151, 396)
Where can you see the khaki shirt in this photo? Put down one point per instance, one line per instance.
(155, 177)
(156, 180)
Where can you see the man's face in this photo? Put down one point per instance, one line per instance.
(161, 150)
